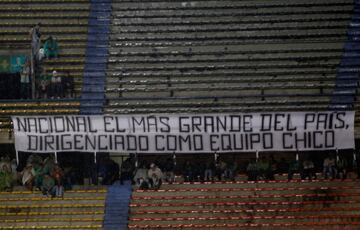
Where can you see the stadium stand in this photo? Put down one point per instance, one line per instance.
(81, 208)
(67, 21)
(220, 205)
(227, 56)
(163, 56)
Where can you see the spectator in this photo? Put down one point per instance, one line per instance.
(28, 175)
(39, 175)
(141, 177)
(188, 172)
(294, 167)
(264, 168)
(209, 171)
(283, 166)
(341, 165)
(58, 175)
(329, 169)
(308, 170)
(56, 85)
(50, 48)
(230, 170)
(25, 91)
(43, 85)
(6, 180)
(14, 172)
(169, 175)
(155, 176)
(127, 169)
(47, 187)
(273, 167)
(252, 170)
(35, 36)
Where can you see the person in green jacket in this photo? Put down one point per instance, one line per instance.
(6, 180)
(51, 48)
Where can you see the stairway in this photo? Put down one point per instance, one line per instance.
(96, 57)
(347, 80)
(117, 206)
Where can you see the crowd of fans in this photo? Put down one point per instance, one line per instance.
(264, 169)
(45, 175)
(47, 85)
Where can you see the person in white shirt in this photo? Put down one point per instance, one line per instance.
(155, 176)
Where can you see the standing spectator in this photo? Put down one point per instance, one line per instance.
(52, 86)
(35, 36)
(308, 170)
(169, 171)
(283, 166)
(25, 91)
(50, 48)
(6, 179)
(264, 168)
(58, 175)
(329, 167)
(43, 85)
(294, 167)
(127, 170)
(209, 171)
(58, 85)
(252, 170)
(155, 176)
(341, 165)
(188, 172)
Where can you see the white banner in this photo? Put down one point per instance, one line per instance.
(186, 133)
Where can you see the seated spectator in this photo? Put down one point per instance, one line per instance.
(47, 187)
(169, 175)
(209, 171)
(188, 172)
(28, 175)
(155, 175)
(329, 169)
(252, 170)
(141, 177)
(51, 48)
(341, 165)
(294, 167)
(308, 171)
(6, 179)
